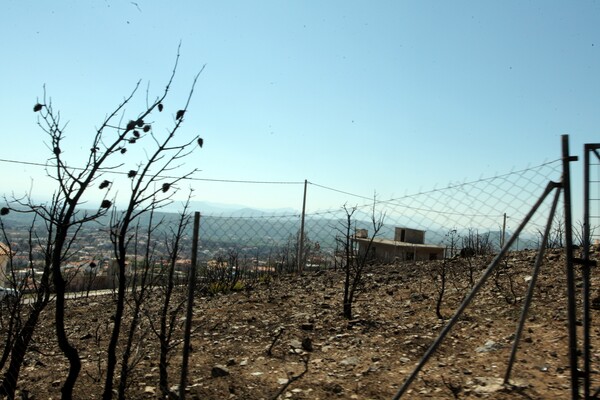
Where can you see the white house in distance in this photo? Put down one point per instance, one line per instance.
(407, 245)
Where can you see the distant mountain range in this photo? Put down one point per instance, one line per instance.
(244, 226)
(233, 210)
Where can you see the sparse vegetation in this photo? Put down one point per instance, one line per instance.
(261, 344)
(65, 216)
(354, 262)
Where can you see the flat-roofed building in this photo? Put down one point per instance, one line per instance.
(408, 244)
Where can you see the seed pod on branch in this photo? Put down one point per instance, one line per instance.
(131, 174)
(200, 142)
(105, 204)
(160, 107)
(104, 184)
(179, 114)
(146, 128)
(37, 107)
(4, 210)
(165, 187)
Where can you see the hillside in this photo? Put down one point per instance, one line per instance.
(247, 344)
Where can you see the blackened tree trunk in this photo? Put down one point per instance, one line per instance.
(19, 349)
(63, 341)
(111, 363)
(24, 333)
(355, 262)
(441, 274)
(169, 313)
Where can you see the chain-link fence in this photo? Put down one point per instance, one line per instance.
(240, 248)
(472, 215)
(592, 159)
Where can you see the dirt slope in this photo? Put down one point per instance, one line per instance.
(247, 345)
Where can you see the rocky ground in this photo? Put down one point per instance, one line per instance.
(287, 338)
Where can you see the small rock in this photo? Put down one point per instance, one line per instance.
(149, 390)
(219, 371)
(418, 296)
(488, 346)
(350, 361)
(371, 369)
(333, 387)
(307, 326)
(307, 344)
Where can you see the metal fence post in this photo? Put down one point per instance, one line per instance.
(190, 307)
(572, 316)
(301, 261)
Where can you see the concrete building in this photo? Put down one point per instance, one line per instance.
(407, 245)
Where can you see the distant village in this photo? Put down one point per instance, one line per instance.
(93, 265)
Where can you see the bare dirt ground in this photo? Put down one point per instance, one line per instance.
(287, 337)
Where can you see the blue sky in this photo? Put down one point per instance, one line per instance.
(386, 96)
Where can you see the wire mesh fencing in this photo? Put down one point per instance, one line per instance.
(240, 248)
(593, 191)
(473, 216)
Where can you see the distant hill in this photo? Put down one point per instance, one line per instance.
(225, 225)
(211, 208)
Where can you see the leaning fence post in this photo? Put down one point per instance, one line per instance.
(190, 307)
(474, 290)
(536, 269)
